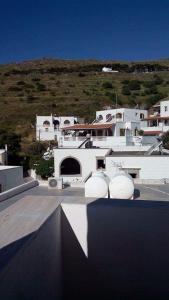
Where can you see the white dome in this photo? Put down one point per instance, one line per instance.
(96, 186)
(121, 187)
(102, 175)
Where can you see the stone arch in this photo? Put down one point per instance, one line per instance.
(70, 166)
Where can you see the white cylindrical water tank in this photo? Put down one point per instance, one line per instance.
(96, 186)
(102, 175)
(121, 186)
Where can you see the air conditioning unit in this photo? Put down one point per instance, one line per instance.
(52, 183)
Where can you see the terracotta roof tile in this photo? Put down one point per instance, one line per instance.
(88, 126)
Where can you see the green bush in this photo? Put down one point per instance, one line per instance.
(111, 96)
(134, 85)
(41, 87)
(14, 89)
(148, 84)
(107, 85)
(45, 168)
(152, 90)
(126, 90)
(165, 140)
(158, 80)
(125, 82)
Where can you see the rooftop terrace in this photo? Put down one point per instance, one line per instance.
(60, 245)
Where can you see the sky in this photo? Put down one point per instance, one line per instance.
(84, 29)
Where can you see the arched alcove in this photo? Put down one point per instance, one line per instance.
(70, 166)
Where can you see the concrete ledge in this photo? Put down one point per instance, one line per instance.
(77, 184)
(17, 190)
(151, 181)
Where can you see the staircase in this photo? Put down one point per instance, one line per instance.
(153, 148)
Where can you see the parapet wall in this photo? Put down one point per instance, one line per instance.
(105, 249)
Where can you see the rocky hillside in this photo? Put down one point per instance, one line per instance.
(75, 88)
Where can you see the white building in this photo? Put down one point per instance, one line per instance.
(76, 165)
(50, 127)
(10, 177)
(158, 119)
(111, 128)
(109, 70)
(3, 156)
(126, 120)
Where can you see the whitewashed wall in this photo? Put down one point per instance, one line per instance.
(86, 157)
(128, 114)
(99, 141)
(151, 167)
(164, 104)
(50, 133)
(2, 157)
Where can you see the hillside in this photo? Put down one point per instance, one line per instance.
(80, 88)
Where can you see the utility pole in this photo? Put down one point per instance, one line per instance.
(6, 154)
(116, 112)
(116, 99)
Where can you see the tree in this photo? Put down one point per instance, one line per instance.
(36, 148)
(45, 168)
(12, 140)
(165, 140)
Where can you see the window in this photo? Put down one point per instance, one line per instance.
(108, 116)
(100, 163)
(122, 132)
(118, 115)
(141, 116)
(46, 123)
(56, 123)
(165, 108)
(134, 173)
(100, 117)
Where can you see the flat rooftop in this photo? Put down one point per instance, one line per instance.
(142, 192)
(8, 167)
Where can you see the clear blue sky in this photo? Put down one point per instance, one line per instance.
(73, 29)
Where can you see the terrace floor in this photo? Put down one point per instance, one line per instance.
(142, 192)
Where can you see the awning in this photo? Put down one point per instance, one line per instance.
(155, 132)
(154, 118)
(88, 127)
